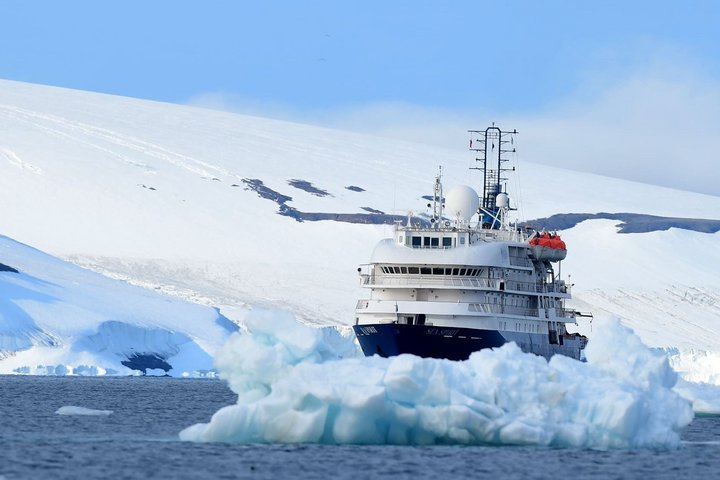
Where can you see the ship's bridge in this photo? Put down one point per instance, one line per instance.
(393, 251)
(436, 238)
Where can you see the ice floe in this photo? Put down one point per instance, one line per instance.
(73, 410)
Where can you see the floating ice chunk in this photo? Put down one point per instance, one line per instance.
(705, 397)
(293, 386)
(57, 370)
(72, 410)
(88, 371)
(698, 366)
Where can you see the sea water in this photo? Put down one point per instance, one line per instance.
(139, 439)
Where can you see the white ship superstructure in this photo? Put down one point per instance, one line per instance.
(467, 279)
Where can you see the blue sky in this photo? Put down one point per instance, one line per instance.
(356, 63)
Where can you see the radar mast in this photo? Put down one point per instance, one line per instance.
(438, 201)
(493, 144)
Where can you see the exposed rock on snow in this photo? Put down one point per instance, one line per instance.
(5, 268)
(630, 222)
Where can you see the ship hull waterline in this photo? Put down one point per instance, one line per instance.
(453, 343)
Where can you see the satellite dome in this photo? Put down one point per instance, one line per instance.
(462, 202)
(502, 200)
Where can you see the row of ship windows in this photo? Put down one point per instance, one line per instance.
(432, 242)
(472, 272)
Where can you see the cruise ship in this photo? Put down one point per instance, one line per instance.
(466, 278)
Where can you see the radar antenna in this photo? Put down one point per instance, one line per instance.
(493, 144)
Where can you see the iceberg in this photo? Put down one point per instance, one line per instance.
(294, 385)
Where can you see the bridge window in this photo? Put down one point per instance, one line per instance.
(447, 242)
(416, 242)
(425, 271)
(413, 270)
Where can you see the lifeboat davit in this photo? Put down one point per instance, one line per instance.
(547, 246)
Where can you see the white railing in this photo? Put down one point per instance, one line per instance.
(506, 235)
(401, 280)
(481, 234)
(495, 308)
(431, 280)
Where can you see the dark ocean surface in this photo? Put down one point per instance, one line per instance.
(139, 440)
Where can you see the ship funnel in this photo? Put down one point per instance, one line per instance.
(462, 202)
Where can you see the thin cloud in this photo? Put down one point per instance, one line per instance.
(655, 125)
(650, 127)
(230, 102)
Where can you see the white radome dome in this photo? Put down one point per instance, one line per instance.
(502, 200)
(462, 202)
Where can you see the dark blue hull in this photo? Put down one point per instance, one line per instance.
(390, 339)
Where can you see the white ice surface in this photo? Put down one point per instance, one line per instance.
(59, 319)
(700, 378)
(73, 410)
(293, 386)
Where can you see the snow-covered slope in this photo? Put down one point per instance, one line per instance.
(57, 318)
(157, 194)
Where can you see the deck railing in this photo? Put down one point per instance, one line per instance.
(460, 282)
(484, 307)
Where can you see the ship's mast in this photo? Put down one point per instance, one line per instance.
(493, 144)
(437, 205)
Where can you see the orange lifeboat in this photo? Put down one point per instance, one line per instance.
(548, 246)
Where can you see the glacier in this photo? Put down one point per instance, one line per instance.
(294, 385)
(59, 319)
